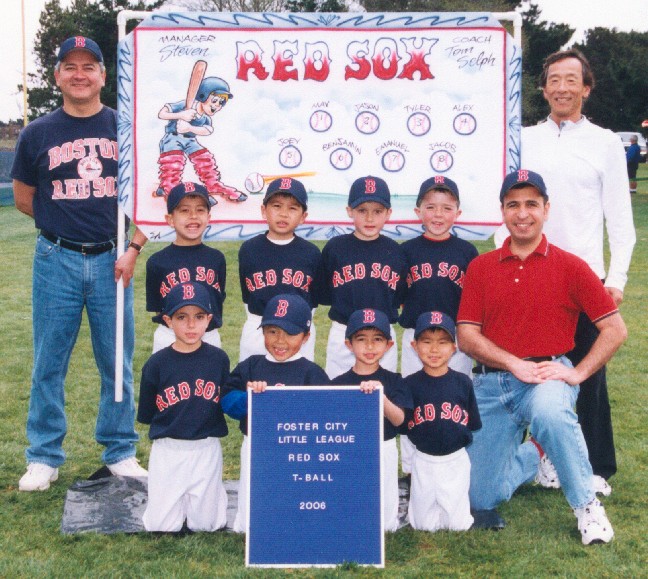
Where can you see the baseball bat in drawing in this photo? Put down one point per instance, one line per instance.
(197, 75)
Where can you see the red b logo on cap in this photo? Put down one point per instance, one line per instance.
(286, 182)
(439, 180)
(79, 42)
(282, 309)
(188, 292)
(436, 318)
(189, 187)
(370, 186)
(523, 175)
(369, 316)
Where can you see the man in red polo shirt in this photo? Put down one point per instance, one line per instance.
(517, 318)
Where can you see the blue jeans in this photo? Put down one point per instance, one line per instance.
(64, 282)
(500, 464)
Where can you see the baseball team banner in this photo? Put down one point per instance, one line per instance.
(315, 477)
(235, 100)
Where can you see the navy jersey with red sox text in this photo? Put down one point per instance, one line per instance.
(445, 412)
(357, 274)
(72, 163)
(176, 264)
(393, 387)
(267, 269)
(299, 372)
(180, 393)
(435, 276)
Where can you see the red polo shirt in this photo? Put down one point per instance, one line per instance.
(530, 307)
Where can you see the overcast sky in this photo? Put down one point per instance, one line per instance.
(582, 14)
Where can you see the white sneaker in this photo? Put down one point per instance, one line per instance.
(127, 467)
(547, 475)
(594, 524)
(601, 486)
(38, 477)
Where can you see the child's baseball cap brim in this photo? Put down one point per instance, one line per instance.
(366, 189)
(188, 189)
(368, 318)
(290, 312)
(288, 186)
(434, 320)
(187, 294)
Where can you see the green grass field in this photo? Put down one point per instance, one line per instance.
(541, 538)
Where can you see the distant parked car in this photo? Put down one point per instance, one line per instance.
(641, 141)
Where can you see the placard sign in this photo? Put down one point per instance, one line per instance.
(236, 100)
(315, 477)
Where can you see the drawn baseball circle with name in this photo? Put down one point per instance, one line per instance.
(89, 168)
(418, 124)
(441, 161)
(367, 122)
(341, 158)
(320, 121)
(393, 161)
(254, 183)
(465, 124)
(290, 157)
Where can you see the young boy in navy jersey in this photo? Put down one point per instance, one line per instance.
(363, 269)
(277, 262)
(286, 326)
(440, 427)
(436, 267)
(187, 259)
(179, 397)
(368, 337)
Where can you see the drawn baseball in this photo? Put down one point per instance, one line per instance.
(367, 122)
(254, 183)
(418, 124)
(393, 161)
(320, 121)
(290, 157)
(441, 161)
(341, 158)
(465, 124)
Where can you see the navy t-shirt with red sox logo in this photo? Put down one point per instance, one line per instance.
(435, 275)
(176, 264)
(356, 274)
(445, 412)
(72, 163)
(180, 393)
(267, 269)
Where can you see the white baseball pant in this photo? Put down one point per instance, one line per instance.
(439, 492)
(185, 481)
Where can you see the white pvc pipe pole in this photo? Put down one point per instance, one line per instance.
(122, 19)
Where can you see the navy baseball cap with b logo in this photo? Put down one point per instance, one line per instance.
(79, 43)
(182, 190)
(288, 186)
(438, 183)
(368, 318)
(367, 189)
(187, 294)
(432, 320)
(289, 312)
(523, 177)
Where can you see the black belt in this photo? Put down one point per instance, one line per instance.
(483, 369)
(84, 248)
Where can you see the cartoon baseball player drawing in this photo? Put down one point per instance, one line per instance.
(188, 120)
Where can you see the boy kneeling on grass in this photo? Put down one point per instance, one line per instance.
(180, 398)
(368, 336)
(440, 427)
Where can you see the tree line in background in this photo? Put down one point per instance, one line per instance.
(619, 59)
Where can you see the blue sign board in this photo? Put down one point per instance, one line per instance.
(315, 477)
